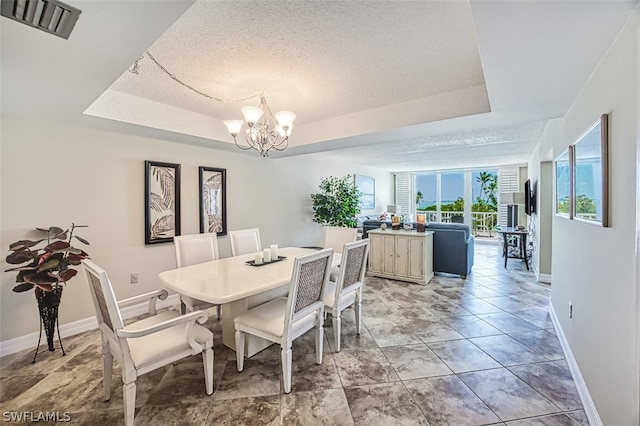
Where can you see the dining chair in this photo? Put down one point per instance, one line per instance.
(145, 345)
(336, 237)
(245, 241)
(347, 290)
(284, 319)
(191, 250)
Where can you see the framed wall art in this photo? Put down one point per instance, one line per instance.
(213, 200)
(162, 202)
(590, 171)
(367, 187)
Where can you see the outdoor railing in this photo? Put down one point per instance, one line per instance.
(481, 221)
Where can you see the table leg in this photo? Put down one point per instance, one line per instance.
(505, 249)
(524, 250)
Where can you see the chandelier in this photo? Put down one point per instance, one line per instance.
(260, 135)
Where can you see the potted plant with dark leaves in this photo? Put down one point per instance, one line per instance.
(46, 265)
(337, 203)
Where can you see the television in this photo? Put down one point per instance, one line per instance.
(529, 198)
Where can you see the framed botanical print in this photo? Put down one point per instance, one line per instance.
(213, 200)
(162, 202)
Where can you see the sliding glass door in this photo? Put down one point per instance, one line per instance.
(443, 195)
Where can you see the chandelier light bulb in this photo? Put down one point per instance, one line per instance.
(234, 126)
(251, 114)
(285, 119)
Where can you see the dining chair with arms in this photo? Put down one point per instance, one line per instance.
(347, 290)
(245, 241)
(148, 344)
(191, 250)
(284, 319)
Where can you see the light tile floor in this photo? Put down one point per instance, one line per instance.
(454, 352)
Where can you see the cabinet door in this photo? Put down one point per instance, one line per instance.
(376, 253)
(415, 268)
(389, 254)
(402, 258)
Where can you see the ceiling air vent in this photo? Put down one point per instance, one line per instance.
(51, 16)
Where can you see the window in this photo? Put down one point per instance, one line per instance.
(452, 193)
(443, 195)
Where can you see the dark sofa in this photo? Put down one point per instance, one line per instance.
(453, 245)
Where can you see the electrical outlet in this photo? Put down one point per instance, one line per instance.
(134, 278)
(570, 310)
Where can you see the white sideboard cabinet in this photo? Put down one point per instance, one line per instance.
(401, 255)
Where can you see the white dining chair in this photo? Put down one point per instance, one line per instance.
(145, 345)
(191, 250)
(284, 319)
(245, 241)
(347, 290)
(336, 237)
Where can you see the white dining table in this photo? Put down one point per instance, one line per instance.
(237, 286)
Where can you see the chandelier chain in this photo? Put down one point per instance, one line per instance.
(136, 66)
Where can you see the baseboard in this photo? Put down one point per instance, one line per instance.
(543, 278)
(29, 341)
(581, 386)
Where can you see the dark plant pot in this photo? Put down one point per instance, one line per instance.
(48, 303)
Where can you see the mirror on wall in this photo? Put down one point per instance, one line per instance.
(563, 184)
(590, 200)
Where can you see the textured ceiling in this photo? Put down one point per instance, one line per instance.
(400, 85)
(457, 149)
(320, 59)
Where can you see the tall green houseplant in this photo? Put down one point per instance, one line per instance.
(337, 203)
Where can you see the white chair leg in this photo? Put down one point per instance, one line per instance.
(285, 354)
(207, 359)
(240, 350)
(107, 371)
(129, 397)
(358, 311)
(337, 326)
(319, 338)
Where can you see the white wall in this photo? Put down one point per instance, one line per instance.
(56, 174)
(594, 268)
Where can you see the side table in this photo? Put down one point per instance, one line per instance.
(517, 240)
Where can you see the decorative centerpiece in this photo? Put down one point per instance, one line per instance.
(420, 226)
(46, 269)
(395, 222)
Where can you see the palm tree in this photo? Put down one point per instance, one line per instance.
(419, 197)
(488, 187)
